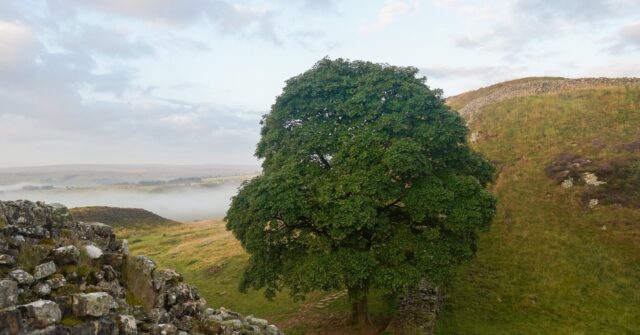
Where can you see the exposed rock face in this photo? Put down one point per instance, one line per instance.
(61, 277)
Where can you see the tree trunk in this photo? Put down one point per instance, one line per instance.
(359, 309)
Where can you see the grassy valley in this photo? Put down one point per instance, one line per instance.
(553, 263)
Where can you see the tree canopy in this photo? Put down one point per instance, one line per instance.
(367, 183)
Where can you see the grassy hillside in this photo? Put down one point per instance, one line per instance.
(553, 264)
(119, 217)
(210, 258)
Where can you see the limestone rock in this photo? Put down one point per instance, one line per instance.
(67, 255)
(42, 289)
(127, 324)
(93, 251)
(40, 314)
(8, 293)
(91, 294)
(56, 281)
(93, 304)
(255, 321)
(164, 329)
(165, 278)
(22, 277)
(44, 270)
(591, 179)
(145, 264)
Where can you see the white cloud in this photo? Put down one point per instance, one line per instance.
(15, 41)
(387, 15)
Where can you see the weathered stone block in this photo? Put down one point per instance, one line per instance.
(67, 255)
(22, 277)
(42, 289)
(126, 324)
(44, 270)
(93, 251)
(40, 314)
(93, 304)
(8, 293)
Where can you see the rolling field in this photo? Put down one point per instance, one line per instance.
(551, 264)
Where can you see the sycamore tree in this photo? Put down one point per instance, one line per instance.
(367, 183)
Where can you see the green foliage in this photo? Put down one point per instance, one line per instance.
(367, 183)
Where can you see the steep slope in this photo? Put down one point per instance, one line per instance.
(119, 217)
(563, 255)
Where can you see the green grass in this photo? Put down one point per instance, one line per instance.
(212, 260)
(547, 266)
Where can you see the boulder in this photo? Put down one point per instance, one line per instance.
(40, 314)
(22, 277)
(8, 293)
(67, 255)
(93, 304)
(44, 270)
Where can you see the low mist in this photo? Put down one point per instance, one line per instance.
(180, 204)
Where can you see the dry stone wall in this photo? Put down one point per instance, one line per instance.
(62, 277)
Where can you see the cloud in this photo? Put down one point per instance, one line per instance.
(386, 16)
(15, 41)
(230, 19)
(68, 93)
(106, 42)
(628, 39)
(516, 25)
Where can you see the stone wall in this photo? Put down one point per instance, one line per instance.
(418, 311)
(59, 276)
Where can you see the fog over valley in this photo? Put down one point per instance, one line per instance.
(183, 193)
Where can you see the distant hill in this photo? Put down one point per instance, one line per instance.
(563, 255)
(119, 217)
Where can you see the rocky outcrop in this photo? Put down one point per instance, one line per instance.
(59, 276)
(539, 86)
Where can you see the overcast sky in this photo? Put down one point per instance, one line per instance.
(186, 81)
